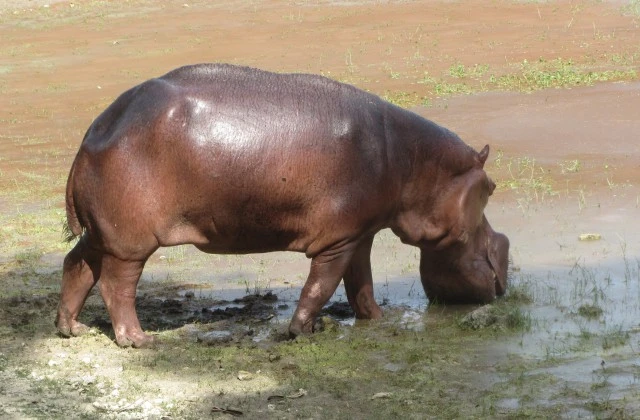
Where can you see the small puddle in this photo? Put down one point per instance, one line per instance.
(397, 295)
(585, 336)
(161, 307)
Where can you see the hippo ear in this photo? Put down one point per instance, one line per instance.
(483, 155)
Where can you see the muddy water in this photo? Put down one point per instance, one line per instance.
(228, 278)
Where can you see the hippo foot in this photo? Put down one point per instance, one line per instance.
(71, 329)
(369, 313)
(138, 340)
(299, 327)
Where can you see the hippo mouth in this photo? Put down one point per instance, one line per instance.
(493, 280)
(498, 259)
(496, 284)
(494, 277)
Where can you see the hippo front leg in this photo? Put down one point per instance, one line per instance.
(326, 272)
(358, 283)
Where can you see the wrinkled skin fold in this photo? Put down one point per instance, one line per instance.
(239, 160)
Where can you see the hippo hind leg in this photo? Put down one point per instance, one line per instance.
(358, 283)
(118, 283)
(118, 280)
(80, 273)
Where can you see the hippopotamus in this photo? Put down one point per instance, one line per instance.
(239, 160)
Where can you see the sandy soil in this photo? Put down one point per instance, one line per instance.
(567, 160)
(64, 64)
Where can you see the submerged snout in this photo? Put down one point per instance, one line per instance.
(474, 272)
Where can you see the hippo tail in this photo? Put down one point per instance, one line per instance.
(72, 228)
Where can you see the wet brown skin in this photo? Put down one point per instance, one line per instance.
(237, 160)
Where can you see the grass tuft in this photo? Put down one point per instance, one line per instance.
(518, 294)
(615, 337)
(526, 177)
(633, 8)
(590, 311)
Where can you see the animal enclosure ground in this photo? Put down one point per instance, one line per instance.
(552, 87)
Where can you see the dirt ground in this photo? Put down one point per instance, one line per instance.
(552, 87)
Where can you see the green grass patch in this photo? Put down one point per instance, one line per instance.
(460, 71)
(632, 8)
(542, 74)
(26, 236)
(406, 99)
(526, 76)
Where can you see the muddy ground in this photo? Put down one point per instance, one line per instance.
(552, 86)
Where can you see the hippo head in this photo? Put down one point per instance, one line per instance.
(462, 259)
(472, 270)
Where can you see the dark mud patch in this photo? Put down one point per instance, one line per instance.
(23, 311)
(242, 316)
